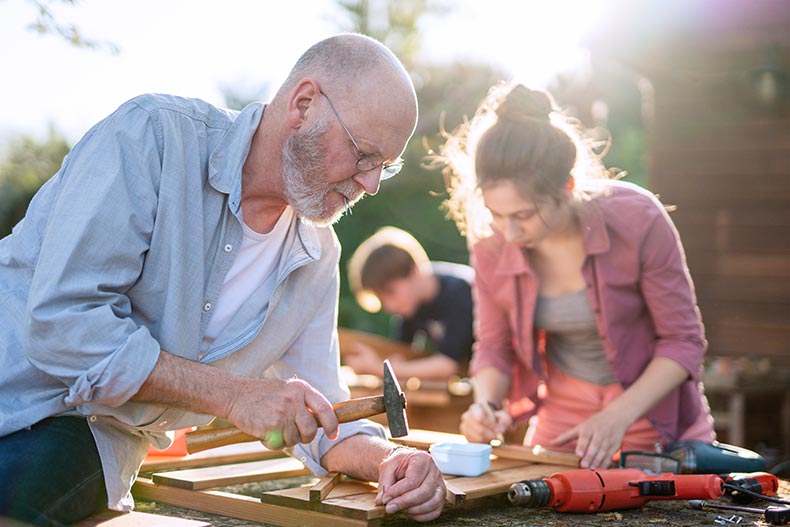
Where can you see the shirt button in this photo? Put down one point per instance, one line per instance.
(228, 248)
(207, 306)
(92, 418)
(304, 459)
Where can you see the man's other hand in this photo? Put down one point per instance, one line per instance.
(410, 482)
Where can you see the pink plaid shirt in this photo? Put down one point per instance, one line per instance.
(638, 285)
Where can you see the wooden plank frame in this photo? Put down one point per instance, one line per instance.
(234, 474)
(237, 453)
(238, 506)
(333, 500)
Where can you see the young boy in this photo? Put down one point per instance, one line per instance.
(430, 302)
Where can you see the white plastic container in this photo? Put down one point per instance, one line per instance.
(462, 459)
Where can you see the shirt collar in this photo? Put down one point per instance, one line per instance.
(227, 159)
(512, 259)
(593, 224)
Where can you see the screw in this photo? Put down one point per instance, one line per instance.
(720, 521)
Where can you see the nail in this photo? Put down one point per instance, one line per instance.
(392, 508)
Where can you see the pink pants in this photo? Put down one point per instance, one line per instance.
(569, 400)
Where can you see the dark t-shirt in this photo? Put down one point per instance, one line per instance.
(447, 320)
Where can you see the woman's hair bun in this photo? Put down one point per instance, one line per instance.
(521, 104)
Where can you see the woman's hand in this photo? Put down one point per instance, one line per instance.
(598, 438)
(601, 435)
(483, 425)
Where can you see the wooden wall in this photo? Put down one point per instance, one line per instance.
(718, 154)
(724, 161)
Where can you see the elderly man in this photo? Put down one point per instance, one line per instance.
(181, 265)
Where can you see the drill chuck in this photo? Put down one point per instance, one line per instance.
(530, 493)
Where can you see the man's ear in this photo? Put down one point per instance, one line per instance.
(301, 102)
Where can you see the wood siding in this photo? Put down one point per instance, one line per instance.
(726, 168)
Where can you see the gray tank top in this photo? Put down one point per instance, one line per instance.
(572, 340)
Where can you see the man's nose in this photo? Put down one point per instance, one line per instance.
(369, 180)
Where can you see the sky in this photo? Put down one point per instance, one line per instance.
(199, 48)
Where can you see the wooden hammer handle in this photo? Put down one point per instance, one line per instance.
(346, 411)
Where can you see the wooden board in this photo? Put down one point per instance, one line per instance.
(383, 346)
(357, 500)
(349, 499)
(423, 439)
(335, 501)
(233, 474)
(238, 506)
(137, 519)
(237, 453)
(324, 486)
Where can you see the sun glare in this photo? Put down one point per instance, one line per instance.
(531, 39)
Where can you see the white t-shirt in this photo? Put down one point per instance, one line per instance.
(254, 267)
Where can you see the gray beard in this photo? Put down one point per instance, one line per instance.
(304, 166)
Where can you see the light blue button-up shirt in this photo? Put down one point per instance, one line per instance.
(123, 252)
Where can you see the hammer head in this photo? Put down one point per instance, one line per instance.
(394, 403)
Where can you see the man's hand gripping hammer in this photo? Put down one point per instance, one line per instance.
(392, 402)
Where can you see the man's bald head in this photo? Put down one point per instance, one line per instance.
(348, 57)
(355, 68)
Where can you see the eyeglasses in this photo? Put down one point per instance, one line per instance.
(368, 162)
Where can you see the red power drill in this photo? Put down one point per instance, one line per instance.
(593, 490)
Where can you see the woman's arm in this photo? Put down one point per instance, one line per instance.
(601, 436)
(667, 291)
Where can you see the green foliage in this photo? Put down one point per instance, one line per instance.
(613, 86)
(47, 23)
(392, 22)
(28, 164)
(236, 97)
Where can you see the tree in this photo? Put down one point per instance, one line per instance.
(606, 98)
(27, 166)
(391, 22)
(47, 23)
(236, 97)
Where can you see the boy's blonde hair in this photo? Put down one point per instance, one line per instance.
(388, 255)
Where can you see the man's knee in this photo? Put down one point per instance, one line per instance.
(50, 474)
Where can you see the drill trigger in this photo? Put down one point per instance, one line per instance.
(655, 487)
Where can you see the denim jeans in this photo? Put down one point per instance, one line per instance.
(50, 474)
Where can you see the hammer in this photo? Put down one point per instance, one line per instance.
(393, 402)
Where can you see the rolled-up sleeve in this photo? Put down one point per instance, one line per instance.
(79, 327)
(493, 334)
(669, 294)
(315, 358)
